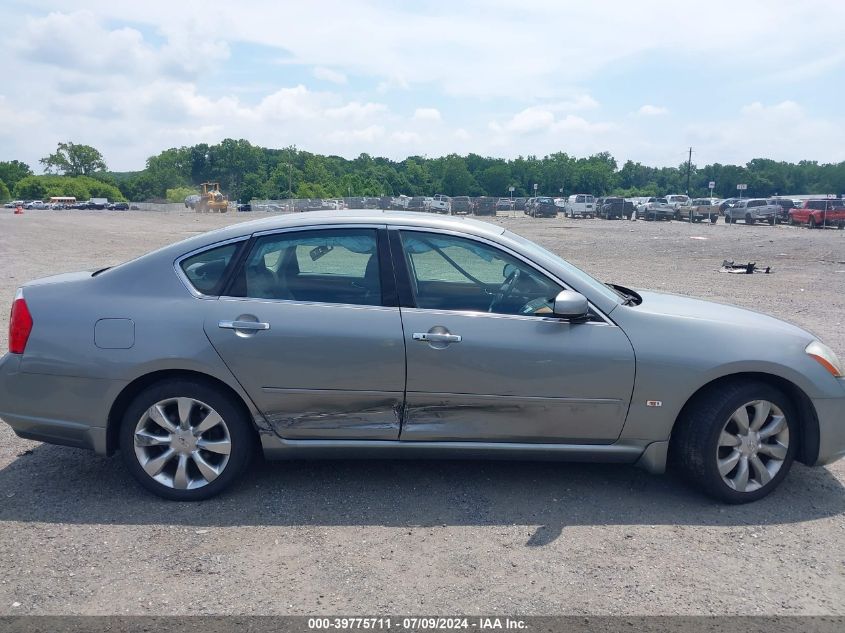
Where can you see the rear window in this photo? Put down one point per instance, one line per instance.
(205, 271)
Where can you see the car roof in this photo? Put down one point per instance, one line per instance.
(351, 217)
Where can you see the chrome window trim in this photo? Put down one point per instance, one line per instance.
(519, 256)
(177, 264)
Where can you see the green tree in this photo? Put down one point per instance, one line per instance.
(13, 171)
(495, 179)
(5, 194)
(179, 194)
(71, 159)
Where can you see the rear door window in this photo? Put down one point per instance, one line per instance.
(323, 266)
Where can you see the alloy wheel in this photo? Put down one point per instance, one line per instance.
(182, 443)
(753, 446)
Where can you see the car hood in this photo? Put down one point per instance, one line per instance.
(681, 307)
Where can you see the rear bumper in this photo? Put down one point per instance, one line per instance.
(66, 410)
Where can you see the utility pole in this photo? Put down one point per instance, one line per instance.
(689, 167)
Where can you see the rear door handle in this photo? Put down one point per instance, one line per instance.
(243, 325)
(433, 337)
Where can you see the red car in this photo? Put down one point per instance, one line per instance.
(819, 213)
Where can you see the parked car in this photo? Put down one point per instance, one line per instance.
(613, 208)
(656, 209)
(505, 204)
(526, 209)
(461, 205)
(752, 210)
(485, 206)
(417, 203)
(543, 207)
(399, 202)
(36, 204)
(119, 206)
(786, 205)
(726, 204)
(701, 209)
(440, 204)
(819, 213)
(677, 202)
(244, 207)
(580, 205)
(519, 204)
(192, 201)
(283, 334)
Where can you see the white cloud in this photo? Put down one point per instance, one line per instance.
(134, 78)
(406, 137)
(364, 135)
(652, 110)
(781, 131)
(327, 74)
(427, 114)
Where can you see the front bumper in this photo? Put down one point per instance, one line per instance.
(830, 413)
(66, 410)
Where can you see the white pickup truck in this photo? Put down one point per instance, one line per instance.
(439, 204)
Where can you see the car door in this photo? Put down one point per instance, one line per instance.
(486, 361)
(310, 327)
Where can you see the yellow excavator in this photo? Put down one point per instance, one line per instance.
(212, 199)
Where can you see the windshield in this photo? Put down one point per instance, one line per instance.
(534, 249)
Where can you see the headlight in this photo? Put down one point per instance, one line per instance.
(822, 354)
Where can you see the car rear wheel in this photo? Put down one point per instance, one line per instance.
(184, 440)
(736, 442)
(749, 219)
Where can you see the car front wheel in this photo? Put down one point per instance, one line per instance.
(184, 440)
(736, 442)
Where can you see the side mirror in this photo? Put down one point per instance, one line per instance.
(571, 305)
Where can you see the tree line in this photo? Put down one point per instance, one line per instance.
(246, 171)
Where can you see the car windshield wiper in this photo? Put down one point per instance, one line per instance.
(629, 298)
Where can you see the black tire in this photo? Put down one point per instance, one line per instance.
(713, 219)
(791, 221)
(771, 221)
(749, 219)
(241, 436)
(695, 438)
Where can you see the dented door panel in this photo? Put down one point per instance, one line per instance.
(514, 378)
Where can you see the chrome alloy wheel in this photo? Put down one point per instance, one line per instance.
(752, 446)
(182, 443)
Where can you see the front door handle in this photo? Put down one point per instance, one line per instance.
(243, 325)
(436, 337)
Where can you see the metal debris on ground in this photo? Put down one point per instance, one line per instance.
(743, 269)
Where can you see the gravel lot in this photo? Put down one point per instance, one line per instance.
(77, 536)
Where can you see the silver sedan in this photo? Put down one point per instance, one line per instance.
(389, 334)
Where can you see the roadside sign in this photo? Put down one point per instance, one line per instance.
(511, 189)
(711, 185)
(742, 187)
(535, 186)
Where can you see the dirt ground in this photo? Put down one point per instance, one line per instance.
(77, 536)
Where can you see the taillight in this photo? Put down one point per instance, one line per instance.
(20, 325)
